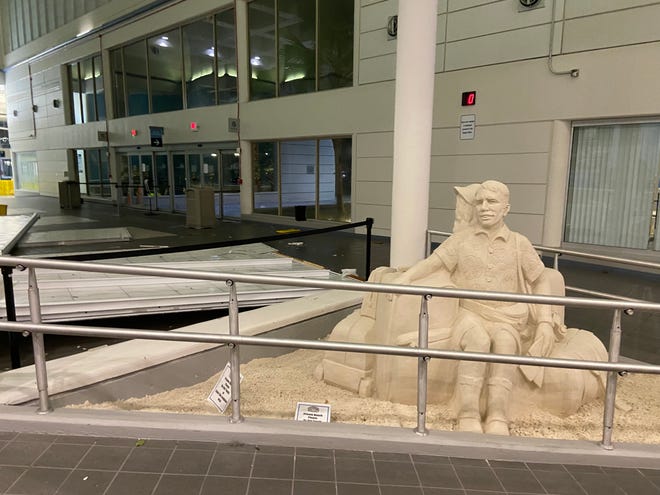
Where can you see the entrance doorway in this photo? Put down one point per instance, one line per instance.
(159, 180)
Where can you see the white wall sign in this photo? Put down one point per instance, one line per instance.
(468, 123)
(220, 395)
(308, 411)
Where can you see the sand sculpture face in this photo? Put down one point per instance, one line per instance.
(489, 253)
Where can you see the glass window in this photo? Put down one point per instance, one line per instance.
(265, 178)
(335, 158)
(298, 177)
(312, 177)
(27, 171)
(135, 71)
(613, 185)
(263, 57)
(198, 60)
(98, 87)
(335, 40)
(74, 85)
(87, 90)
(297, 46)
(165, 74)
(119, 100)
(313, 49)
(87, 95)
(226, 53)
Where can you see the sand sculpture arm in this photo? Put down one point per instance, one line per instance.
(422, 269)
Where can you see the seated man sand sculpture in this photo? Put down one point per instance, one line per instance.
(482, 254)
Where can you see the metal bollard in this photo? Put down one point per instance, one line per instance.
(422, 367)
(38, 347)
(234, 356)
(610, 391)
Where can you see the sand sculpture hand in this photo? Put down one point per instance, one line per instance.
(544, 340)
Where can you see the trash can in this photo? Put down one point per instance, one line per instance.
(300, 212)
(69, 194)
(200, 207)
(3, 210)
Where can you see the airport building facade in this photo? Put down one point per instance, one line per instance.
(285, 108)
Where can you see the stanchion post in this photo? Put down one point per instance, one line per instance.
(38, 347)
(10, 304)
(234, 356)
(610, 390)
(367, 271)
(422, 367)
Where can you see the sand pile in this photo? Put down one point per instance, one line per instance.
(272, 386)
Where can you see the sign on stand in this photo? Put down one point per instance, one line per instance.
(220, 395)
(308, 411)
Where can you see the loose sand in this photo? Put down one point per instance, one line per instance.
(272, 386)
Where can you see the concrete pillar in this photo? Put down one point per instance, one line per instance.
(413, 120)
(555, 196)
(243, 70)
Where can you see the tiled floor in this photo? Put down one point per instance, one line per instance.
(34, 464)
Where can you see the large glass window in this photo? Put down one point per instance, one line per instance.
(310, 178)
(198, 60)
(87, 95)
(335, 44)
(263, 54)
(94, 172)
(135, 78)
(265, 177)
(226, 56)
(613, 186)
(165, 72)
(117, 63)
(299, 47)
(99, 90)
(27, 171)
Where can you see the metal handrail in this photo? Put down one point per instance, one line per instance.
(234, 340)
(558, 252)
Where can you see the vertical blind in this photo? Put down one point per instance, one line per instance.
(612, 186)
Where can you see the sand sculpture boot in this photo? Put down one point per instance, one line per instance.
(497, 417)
(468, 390)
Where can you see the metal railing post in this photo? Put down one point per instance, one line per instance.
(422, 367)
(367, 270)
(610, 391)
(234, 356)
(10, 303)
(38, 347)
(427, 251)
(555, 263)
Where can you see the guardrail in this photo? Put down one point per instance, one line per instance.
(37, 329)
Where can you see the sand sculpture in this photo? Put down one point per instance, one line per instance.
(481, 254)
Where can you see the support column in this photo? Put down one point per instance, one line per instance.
(555, 196)
(243, 71)
(413, 121)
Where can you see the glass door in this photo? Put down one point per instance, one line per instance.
(162, 183)
(230, 202)
(180, 182)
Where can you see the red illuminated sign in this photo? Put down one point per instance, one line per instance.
(468, 98)
(133, 132)
(194, 127)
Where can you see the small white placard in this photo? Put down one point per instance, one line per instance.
(468, 123)
(220, 395)
(308, 411)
